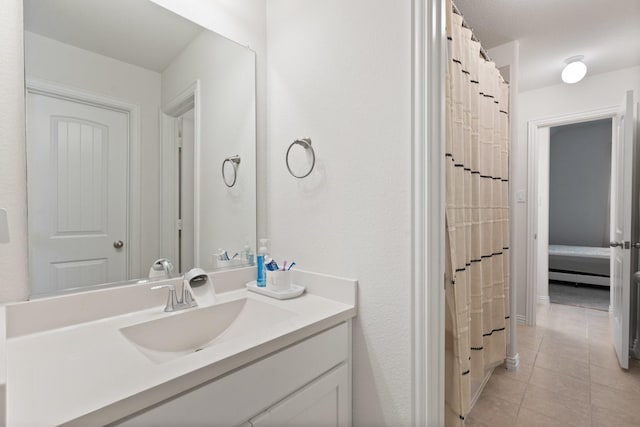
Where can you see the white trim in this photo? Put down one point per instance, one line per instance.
(428, 62)
(349, 415)
(419, 338)
(167, 177)
(186, 100)
(521, 319)
(543, 299)
(532, 223)
(48, 88)
(571, 118)
(533, 129)
(419, 333)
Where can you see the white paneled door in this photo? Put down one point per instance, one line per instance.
(621, 220)
(77, 157)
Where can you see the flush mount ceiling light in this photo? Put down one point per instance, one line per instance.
(575, 70)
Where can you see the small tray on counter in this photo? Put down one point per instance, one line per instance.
(292, 292)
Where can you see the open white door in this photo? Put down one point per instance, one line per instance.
(622, 164)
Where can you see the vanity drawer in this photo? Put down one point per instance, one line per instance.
(246, 392)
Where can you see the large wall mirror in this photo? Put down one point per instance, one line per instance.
(141, 143)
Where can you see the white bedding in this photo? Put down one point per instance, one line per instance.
(580, 251)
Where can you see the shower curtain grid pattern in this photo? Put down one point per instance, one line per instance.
(477, 219)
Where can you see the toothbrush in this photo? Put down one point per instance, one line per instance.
(236, 254)
(291, 265)
(284, 265)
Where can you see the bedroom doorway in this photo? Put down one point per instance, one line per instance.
(564, 257)
(575, 205)
(623, 218)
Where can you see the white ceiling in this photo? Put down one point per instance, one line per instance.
(606, 32)
(135, 31)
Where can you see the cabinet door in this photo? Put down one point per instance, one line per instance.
(324, 402)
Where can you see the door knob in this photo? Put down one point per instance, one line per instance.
(636, 245)
(615, 244)
(118, 244)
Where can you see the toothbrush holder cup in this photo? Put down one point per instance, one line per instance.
(279, 280)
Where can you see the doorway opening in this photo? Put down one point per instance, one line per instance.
(552, 255)
(621, 218)
(574, 204)
(179, 201)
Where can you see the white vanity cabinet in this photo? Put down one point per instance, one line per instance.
(324, 402)
(305, 384)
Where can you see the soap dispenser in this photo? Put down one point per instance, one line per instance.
(263, 250)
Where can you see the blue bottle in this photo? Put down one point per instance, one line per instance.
(261, 279)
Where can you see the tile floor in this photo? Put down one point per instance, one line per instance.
(568, 376)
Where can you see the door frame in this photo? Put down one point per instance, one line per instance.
(132, 111)
(429, 55)
(534, 129)
(189, 98)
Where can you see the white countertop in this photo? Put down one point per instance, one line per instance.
(90, 374)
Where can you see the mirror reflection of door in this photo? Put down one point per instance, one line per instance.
(186, 161)
(77, 197)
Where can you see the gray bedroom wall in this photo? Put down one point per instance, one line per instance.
(579, 183)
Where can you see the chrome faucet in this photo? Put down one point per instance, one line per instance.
(161, 269)
(174, 303)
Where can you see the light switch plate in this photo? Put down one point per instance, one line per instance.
(4, 227)
(521, 196)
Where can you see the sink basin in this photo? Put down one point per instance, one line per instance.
(189, 331)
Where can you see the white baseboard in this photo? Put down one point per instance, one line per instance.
(521, 319)
(544, 299)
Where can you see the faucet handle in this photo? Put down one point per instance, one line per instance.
(172, 298)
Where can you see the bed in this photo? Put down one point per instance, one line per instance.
(579, 264)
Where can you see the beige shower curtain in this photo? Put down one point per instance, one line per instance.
(477, 219)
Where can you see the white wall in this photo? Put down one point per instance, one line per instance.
(244, 22)
(13, 192)
(594, 92)
(340, 72)
(70, 66)
(226, 72)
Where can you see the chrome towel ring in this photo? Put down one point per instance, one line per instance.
(306, 144)
(234, 161)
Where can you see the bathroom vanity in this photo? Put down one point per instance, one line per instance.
(115, 93)
(237, 359)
